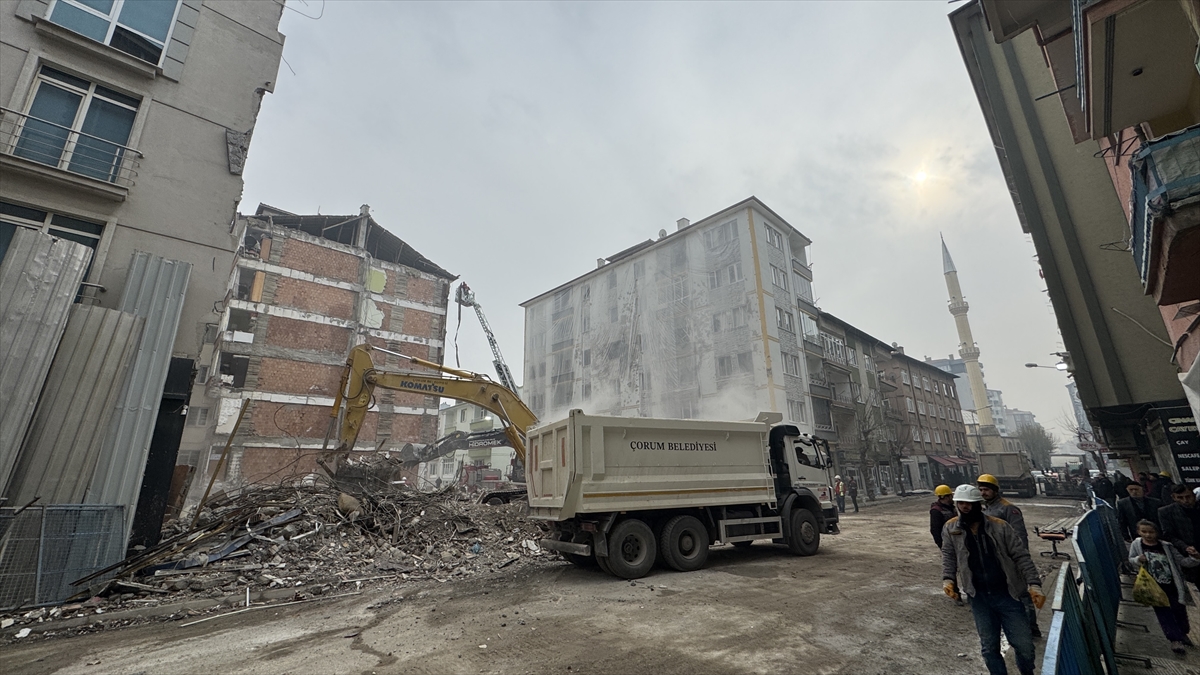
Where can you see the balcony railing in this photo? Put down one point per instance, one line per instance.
(64, 148)
(801, 269)
(1166, 176)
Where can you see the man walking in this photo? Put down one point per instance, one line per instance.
(1137, 506)
(839, 493)
(1103, 488)
(940, 511)
(852, 488)
(983, 557)
(998, 507)
(1180, 520)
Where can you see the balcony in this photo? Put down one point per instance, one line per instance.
(800, 268)
(53, 152)
(1166, 212)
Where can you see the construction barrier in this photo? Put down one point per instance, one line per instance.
(1083, 630)
(43, 549)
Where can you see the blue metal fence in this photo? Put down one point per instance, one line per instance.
(1073, 644)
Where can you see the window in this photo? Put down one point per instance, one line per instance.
(587, 357)
(737, 317)
(856, 392)
(835, 347)
(587, 390)
(804, 288)
(852, 356)
(937, 436)
(462, 415)
(202, 375)
(904, 377)
(562, 301)
(925, 435)
(197, 417)
(673, 290)
(721, 235)
(925, 381)
(784, 320)
(916, 434)
(612, 279)
(745, 362)
(774, 238)
(724, 366)
(734, 272)
(585, 320)
(137, 27)
(941, 412)
(791, 364)
(76, 230)
(717, 322)
(921, 407)
(76, 125)
(909, 402)
(797, 411)
(779, 277)
(811, 332)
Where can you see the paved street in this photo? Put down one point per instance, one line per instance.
(870, 602)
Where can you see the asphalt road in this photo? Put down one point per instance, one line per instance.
(869, 602)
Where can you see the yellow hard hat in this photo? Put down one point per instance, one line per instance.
(989, 479)
(1165, 474)
(943, 490)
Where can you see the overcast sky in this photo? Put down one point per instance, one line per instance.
(513, 144)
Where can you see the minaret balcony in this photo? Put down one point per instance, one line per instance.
(969, 353)
(960, 307)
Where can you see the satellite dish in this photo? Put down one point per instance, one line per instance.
(662, 233)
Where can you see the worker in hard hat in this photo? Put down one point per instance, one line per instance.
(983, 558)
(998, 507)
(941, 510)
(839, 493)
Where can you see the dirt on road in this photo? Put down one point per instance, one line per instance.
(869, 602)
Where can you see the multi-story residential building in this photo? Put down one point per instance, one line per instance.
(468, 418)
(707, 321)
(1095, 169)
(931, 422)
(305, 289)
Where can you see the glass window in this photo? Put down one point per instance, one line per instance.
(916, 434)
(784, 320)
(721, 235)
(779, 277)
(137, 27)
(797, 410)
(774, 238)
(811, 332)
(791, 364)
(724, 366)
(804, 288)
(921, 407)
(80, 231)
(909, 402)
(851, 356)
(745, 362)
(904, 377)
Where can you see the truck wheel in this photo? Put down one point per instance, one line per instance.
(684, 543)
(805, 536)
(495, 501)
(631, 549)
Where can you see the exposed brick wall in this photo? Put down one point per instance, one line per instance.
(298, 377)
(305, 422)
(296, 334)
(318, 260)
(273, 465)
(424, 290)
(316, 298)
(418, 323)
(408, 428)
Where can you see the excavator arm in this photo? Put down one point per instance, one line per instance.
(360, 379)
(415, 453)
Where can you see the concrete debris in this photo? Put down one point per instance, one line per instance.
(312, 539)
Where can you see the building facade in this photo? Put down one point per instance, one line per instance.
(305, 290)
(1078, 163)
(705, 322)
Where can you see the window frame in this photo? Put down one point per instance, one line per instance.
(904, 378)
(791, 364)
(114, 19)
(782, 316)
(774, 237)
(779, 277)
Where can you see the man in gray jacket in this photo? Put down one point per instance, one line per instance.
(984, 558)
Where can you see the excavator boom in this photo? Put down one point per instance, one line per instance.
(360, 379)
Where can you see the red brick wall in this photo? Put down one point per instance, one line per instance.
(318, 260)
(276, 465)
(288, 419)
(316, 298)
(295, 334)
(418, 323)
(423, 290)
(298, 377)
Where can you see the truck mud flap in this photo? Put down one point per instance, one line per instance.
(566, 547)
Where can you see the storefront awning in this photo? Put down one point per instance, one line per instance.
(949, 462)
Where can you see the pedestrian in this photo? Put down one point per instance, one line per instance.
(997, 506)
(1135, 508)
(1120, 484)
(1164, 563)
(1163, 488)
(852, 488)
(984, 558)
(1103, 488)
(1180, 520)
(839, 493)
(940, 511)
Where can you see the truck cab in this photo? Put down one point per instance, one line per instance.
(803, 471)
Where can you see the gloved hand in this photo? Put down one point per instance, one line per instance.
(1035, 592)
(949, 589)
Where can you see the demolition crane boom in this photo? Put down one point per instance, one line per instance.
(465, 297)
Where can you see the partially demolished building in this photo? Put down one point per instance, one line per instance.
(704, 322)
(305, 289)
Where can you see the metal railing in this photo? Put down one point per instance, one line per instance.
(61, 147)
(43, 549)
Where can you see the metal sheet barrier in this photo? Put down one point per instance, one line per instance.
(1083, 631)
(45, 548)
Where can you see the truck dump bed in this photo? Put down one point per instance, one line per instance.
(596, 464)
(1006, 464)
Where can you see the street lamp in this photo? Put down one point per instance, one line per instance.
(1058, 366)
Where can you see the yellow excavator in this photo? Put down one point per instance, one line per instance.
(361, 378)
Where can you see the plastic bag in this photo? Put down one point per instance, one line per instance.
(1146, 591)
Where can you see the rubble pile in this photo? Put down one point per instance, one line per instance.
(316, 539)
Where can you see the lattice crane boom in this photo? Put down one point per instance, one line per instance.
(465, 297)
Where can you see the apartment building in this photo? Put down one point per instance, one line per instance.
(479, 455)
(305, 289)
(706, 321)
(925, 401)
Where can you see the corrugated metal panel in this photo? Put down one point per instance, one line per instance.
(39, 279)
(154, 289)
(76, 407)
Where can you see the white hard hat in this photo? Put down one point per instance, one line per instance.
(838, 477)
(967, 493)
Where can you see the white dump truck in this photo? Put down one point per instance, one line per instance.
(625, 492)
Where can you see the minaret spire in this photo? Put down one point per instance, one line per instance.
(967, 348)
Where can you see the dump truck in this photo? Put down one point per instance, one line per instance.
(1012, 470)
(621, 493)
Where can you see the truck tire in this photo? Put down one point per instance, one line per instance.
(805, 536)
(631, 549)
(684, 544)
(495, 501)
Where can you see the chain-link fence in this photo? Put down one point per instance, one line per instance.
(44, 548)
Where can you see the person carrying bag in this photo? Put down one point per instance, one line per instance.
(1160, 582)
